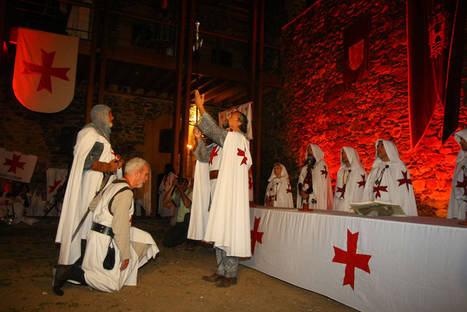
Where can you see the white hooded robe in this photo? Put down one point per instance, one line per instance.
(457, 201)
(395, 184)
(280, 189)
(350, 182)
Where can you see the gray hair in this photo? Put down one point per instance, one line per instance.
(244, 120)
(135, 163)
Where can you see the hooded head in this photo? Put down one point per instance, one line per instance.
(316, 151)
(352, 157)
(284, 173)
(101, 120)
(391, 151)
(459, 136)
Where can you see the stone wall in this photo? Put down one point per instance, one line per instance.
(322, 111)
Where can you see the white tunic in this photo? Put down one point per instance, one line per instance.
(96, 249)
(280, 190)
(81, 189)
(229, 218)
(457, 201)
(322, 189)
(350, 182)
(390, 181)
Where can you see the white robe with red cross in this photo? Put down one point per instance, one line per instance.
(457, 202)
(229, 217)
(390, 181)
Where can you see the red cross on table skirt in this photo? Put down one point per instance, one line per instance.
(255, 235)
(351, 259)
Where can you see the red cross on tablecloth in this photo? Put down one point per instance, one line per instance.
(351, 259)
(255, 235)
(241, 152)
(14, 163)
(378, 189)
(214, 153)
(46, 71)
(463, 184)
(405, 180)
(362, 182)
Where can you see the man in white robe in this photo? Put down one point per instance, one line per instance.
(229, 217)
(94, 165)
(115, 250)
(208, 160)
(389, 180)
(458, 200)
(314, 184)
(350, 182)
(279, 190)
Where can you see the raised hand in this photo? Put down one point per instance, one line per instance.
(199, 101)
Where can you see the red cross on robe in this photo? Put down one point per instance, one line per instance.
(241, 153)
(378, 189)
(405, 180)
(46, 71)
(14, 163)
(324, 172)
(342, 191)
(351, 259)
(362, 182)
(214, 153)
(255, 235)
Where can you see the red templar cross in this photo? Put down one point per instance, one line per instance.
(54, 186)
(213, 154)
(241, 152)
(351, 259)
(342, 191)
(255, 235)
(14, 163)
(46, 71)
(362, 182)
(378, 189)
(405, 180)
(463, 184)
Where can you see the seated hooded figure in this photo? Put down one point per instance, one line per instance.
(279, 191)
(458, 200)
(314, 185)
(351, 179)
(389, 180)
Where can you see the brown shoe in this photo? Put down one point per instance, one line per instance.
(227, 282)
(62, 273)
(213, 278)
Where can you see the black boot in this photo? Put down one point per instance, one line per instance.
(62, 273)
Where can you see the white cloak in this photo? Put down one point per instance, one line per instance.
(355, 177)
(321, 181)
(457, 201)
(203, 193)
(96, 249)
(280, 189)
(166, 183)
(395, 184)
(229, 217)
(81, 188)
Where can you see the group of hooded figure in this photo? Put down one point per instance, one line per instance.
(388, 181)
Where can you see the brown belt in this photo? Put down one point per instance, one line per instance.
(213, 174)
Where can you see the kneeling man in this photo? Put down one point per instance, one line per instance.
(115, 250)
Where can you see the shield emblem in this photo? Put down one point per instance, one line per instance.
(45, 70)
(356, 54)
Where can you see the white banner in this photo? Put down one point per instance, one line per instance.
(370, 264)
(16, 166)
(55, 179)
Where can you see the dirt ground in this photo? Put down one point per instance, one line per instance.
(171, 282)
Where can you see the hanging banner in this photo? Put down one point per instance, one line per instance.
(45, 70)
(16, 166)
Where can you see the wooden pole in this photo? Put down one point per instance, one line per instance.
(252, 89)
(104, 48)
(259, 104)
(186, 114)
(92, 63)
(181, 26)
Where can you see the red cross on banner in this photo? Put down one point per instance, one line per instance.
(241, 153)
(255, 235)
(45, 70)
(378, 189)
(16, 166)
(351, 259)
(54, 186)
(362, 182)
(14, 163)
(405, 180)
